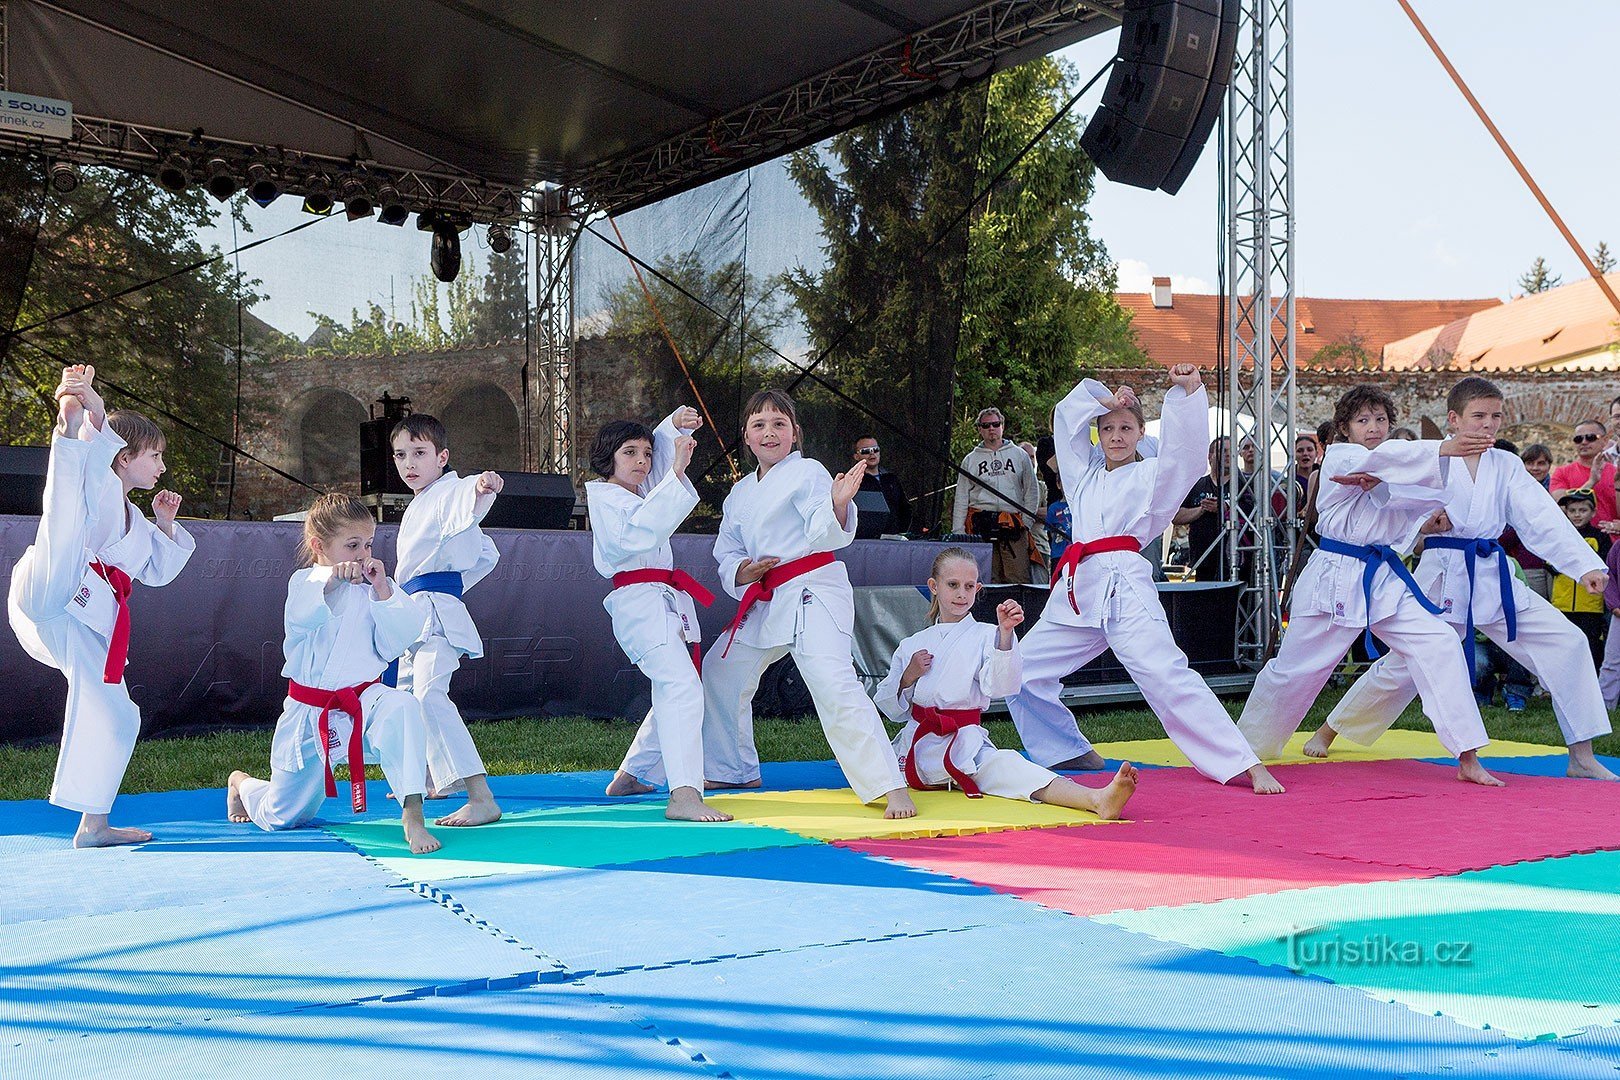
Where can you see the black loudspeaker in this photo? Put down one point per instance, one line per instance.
(532, 501)
(377, 473)
(1165, 93)
(872, 515)
(22, 479)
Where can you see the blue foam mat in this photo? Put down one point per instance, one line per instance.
(1532, 765)
(235, 957)
(541, 1031)
(1059, 997)
(706, 906)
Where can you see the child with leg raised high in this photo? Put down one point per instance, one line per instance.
(641, 500)
(1103, 595)
(941, 679)
(345, 623)
(70, 591)
(778, 531)
(442, 553)
(1377, 495)
(1467, 574)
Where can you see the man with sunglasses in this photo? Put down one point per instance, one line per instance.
(1593, 469)
(994, 507)
(881, 479)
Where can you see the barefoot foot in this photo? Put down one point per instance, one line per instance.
(1090, 761)
(1470, 770)
(476, 812)
(105, 835)
(898, 804)
(1586, 766)
(685, 804)
(1264, 783)
(1112, 799)
(1320, 742)
(726, 785)
(624, 784)
(234, 808)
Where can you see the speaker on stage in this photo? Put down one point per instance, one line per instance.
(1165, 93)
(22, 479)
(532, 501)
(377, 473)
(872, 515)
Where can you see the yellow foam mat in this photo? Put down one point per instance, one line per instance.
(837, 814)
(1393, 745)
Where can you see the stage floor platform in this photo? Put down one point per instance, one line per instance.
(1380, 919)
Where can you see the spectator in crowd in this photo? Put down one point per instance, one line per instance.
(1059, 526)
(994, 507)
(1040, 551)
(1325, 436)
(1538, 462)
(1204, 512)
(1614, 415)
(1584, 610)
(1592, 470)
(878, 478)
(1405, 433)
(1307, 455)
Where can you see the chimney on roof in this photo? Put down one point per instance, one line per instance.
(1161, 293)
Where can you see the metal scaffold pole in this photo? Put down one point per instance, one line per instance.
(554, 309)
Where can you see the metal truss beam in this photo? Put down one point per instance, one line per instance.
(1258, 252)
(554, 372)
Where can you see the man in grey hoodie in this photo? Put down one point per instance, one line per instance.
(994, 508)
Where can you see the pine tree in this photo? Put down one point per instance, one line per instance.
(1603, 259)
(1539, 278)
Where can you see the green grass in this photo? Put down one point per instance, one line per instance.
(567, 744)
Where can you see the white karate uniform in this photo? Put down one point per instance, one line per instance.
(1547, 643)
(968, 670)
(789, 515)
(1118, 603)
(655, 624)
(1330, 610)
(63, 612)
(338, 635)
(440, 533)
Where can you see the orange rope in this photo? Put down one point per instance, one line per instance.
(1524, 174)
(659, 315)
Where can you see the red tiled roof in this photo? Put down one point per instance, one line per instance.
(1188, 331)
(1533, 331)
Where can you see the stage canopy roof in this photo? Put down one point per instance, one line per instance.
(462, 104)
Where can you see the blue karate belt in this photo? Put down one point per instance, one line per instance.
(1376, 555)
(439, 581)
(1474, 550)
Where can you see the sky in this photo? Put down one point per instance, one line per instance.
(1400, 193)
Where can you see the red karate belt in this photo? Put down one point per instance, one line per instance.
(766, 587)
(931, 721)
(675, 579)
(1077, 551)
(344, 699)
(118, 647)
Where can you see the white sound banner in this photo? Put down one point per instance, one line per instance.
(24, 114)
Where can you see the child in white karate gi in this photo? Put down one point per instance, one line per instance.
(1465, 571)
(345, 623)
(442, 553)
(943, 677)
(1103, 595)
(635, 508)
(1376, 495)
(778, 531)
(70, 591)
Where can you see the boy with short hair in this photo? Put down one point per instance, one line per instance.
(442, 553)
(1465, 571)
(1579, 606)
(69, 598)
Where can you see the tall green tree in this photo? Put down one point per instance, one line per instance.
(1539, 278)
(1603, 258)
(720, 318)
(172, 344)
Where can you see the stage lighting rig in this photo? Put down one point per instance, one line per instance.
(356, 200)
(500, 239)
(390, 210)
(175, 173)
(318, 195)
(262, 185)
(64, 177)
(445, 257)
(222, 182)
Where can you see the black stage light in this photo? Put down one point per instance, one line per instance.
(175, 173)
(222, 183)
(356, 200)
(500, 239)
(446, 257)
(262, 186)
(64, 177)
(317, 195)
(390, 210)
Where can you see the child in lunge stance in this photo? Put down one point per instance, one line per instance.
(345, 623)
(940, 680)
(1103, 594)
(638, 504)
(1465, 572)
(70, 591)
(442, 553)
(1355, 585)
(779, 529)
